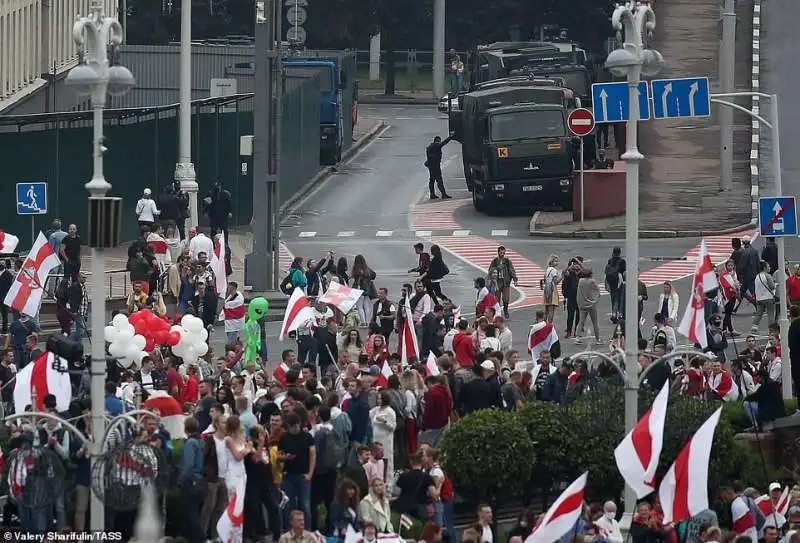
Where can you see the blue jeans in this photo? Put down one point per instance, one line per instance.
(616, 299)
(752, 410)
(447, 519)
(80, 328)
(298, 491)
(231, 337)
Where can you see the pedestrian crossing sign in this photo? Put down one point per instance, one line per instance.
(502, 152)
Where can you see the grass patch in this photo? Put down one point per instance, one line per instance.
(419, 82)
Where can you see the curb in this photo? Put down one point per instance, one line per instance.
(755, 131)
(643, 234)
(327, 170)
(382, 99)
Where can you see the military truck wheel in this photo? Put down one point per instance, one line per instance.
(327, 158)
(479, 205)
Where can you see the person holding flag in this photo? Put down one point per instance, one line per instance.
(693, 324)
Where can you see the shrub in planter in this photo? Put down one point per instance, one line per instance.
(548, 426)
(488, 455)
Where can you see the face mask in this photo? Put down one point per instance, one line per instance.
(610, 515)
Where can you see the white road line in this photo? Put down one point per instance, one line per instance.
(499, 232)
(348, 234)
(424, 233)
(306, 234)
(384, 233)
(460, 232)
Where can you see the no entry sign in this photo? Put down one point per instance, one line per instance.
(580, 122)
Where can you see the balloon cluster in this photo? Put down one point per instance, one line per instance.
(153, 328)
(193, 335)
(125, 343)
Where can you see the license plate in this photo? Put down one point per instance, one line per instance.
(532, 188)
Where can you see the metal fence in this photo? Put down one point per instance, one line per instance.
(142, 149)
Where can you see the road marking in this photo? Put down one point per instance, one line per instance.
(424, 233)
(348, 234)
(499, 232)
(307, 234)
(384, 233)
(460, 232)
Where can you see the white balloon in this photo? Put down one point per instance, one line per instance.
(119, 320)
(203, 334)
(125, 336)
(201, 348)
(139, 341)
(186, 319)
(129, 328)
(180, 349)
(133, 352)
(190, 356)
(117, 350)
(176, 328)
(195, 325)
(110, 334)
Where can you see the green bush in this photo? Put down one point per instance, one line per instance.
(489, 455)
(548, 426)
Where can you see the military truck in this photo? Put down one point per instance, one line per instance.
(474, 107)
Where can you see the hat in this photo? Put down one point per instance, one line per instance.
(147, 192)
(793, 510)
(774, 486)
(745, 239)
(487, 365)
(374, 370)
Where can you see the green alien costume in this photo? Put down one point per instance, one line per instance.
(256, 310)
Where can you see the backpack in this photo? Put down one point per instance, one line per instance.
(341, 437)
(62, 291)
(327, 462)
(548, 285)
(446, 492)
(612, 273)
(286, 286)
(660, 338)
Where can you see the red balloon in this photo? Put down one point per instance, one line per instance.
(161, 336)
(173, 338)
(133, 318)
(149, 345)
(161, 323)
(140, 326)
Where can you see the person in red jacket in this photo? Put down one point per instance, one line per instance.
(793, 287)
(463, 346)
(483, 298)
(438, 406)
(191, 389)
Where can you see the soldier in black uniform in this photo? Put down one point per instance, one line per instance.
(433, 161)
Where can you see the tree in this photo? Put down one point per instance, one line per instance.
(488, 455)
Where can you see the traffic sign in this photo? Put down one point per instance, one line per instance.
(580, 121)
(31, 198)
(611, 105)
(296, 34)
(777, 216)
(681, 98)
(296, 15)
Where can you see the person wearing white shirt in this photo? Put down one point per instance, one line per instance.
(668, 302)
(608, 525)
(503, 334)
(146, 210)
(420, 302)
(199, 243)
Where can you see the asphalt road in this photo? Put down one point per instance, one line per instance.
(779, 43)
(368, 207)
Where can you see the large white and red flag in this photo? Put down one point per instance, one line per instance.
(722, 385)
(298, 312)
(541, 337)
(341, 297)
(684, 489)
(8, 242)
(218, 265)
(431, 367)
(638, 454)
(407, 340)
(46, 375)
(562, 515)
(744, 524)
(234, 312)
(693, 323)
(26, 291)
(230, 526)
(766, 506)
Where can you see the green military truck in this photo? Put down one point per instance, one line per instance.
(516, 148)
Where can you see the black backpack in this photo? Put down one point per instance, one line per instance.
(327, 461)
(62, 291)
(612, 273)
(286, 285)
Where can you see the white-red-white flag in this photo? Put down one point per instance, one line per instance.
(638, 454)
(743, 522)
(407, 340)
(383, 377)
(234, 312)
(562, 515)
(280, 372)
(341, 297)
(46, 375)
(541, 337)
(230, 526)
(431, 367)
(693, 323)
(722, 385)
(684, 489)
(8, 242)
(766, 506)
(26, 291)
(218, 265)
(298, 312)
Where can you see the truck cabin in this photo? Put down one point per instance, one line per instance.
(489, 61)
(577, 78)
(542, 92)
(524, 121)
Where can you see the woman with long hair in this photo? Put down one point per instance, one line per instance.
(730, 288)
(384, 422)
(352, 348)
(341, 271)
(432, 278)
(344, 511)
(364, 279)
(259, 488)
(397, 401)
(225, 397)
(378, 350)
(236, 448)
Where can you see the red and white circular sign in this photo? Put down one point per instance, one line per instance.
(580, 122)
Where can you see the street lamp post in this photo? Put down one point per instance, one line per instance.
(632, 61)
(184, 168)
(96, 78)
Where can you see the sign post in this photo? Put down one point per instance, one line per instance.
(581, 123)
(32, 200)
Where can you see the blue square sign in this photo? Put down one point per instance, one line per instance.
(611, 104)
(31, 198)
(777, 216)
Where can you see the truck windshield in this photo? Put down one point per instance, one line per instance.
(521, 125)
(325, 76)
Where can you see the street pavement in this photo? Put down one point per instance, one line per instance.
(779, 44)
(377, 206)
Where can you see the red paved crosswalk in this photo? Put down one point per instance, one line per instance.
(436, 214)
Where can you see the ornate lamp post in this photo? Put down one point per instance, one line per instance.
(96, 78)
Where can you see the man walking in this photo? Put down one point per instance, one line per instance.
(433, 161)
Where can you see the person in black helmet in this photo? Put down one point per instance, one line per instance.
(433, 161)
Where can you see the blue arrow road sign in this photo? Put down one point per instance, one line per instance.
(777, 216)
(681, 98)
(611, 105)
(31, 198)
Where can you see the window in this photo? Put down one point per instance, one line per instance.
(527, 125)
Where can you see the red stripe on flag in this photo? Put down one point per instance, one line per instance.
(643, 440)
(235, 313)
(743, 523)
(570, 504)
(39, 380)
(540, 335)
(680, 505)
(301, 304)
(27, 278)
(159, 246)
